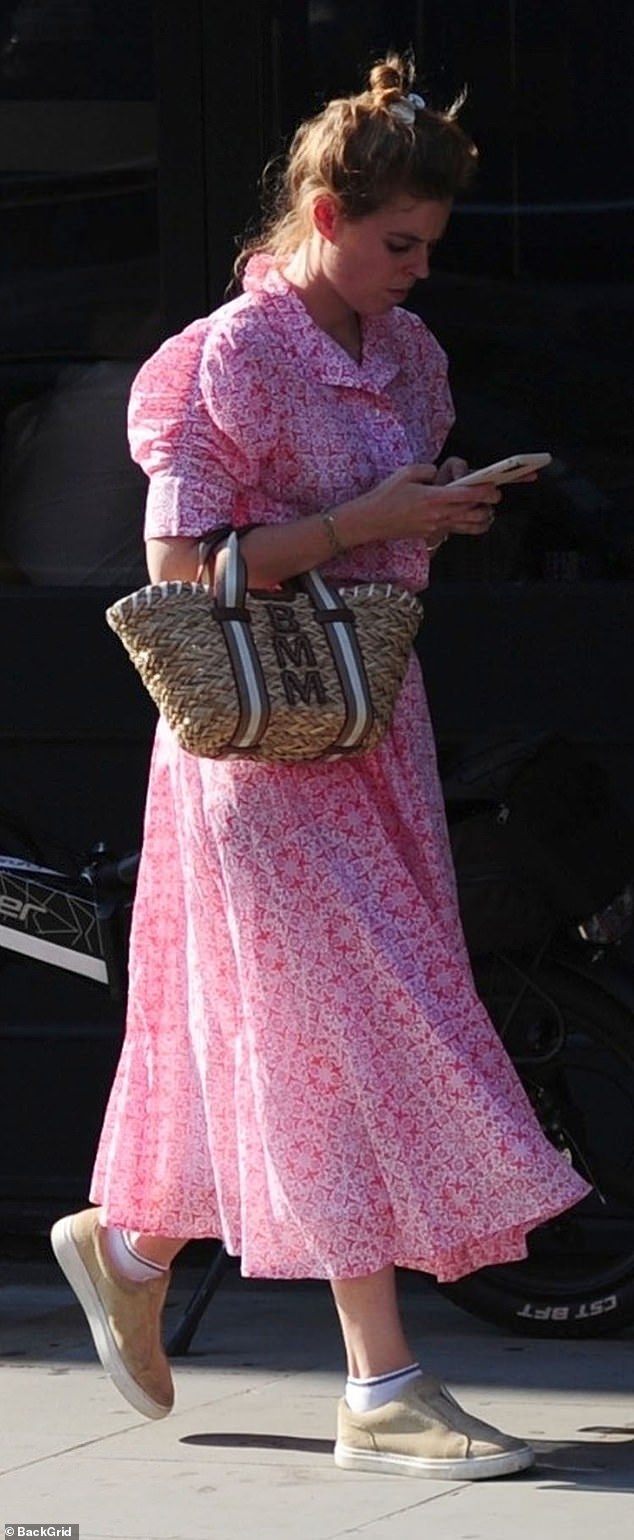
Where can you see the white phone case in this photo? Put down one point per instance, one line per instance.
(504, 471)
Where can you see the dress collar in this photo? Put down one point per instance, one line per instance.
(380, 362)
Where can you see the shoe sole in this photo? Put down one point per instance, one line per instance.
(77, 1275)
(476, 1468)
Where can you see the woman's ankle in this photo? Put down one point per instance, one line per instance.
(161, 1249)
(137, 1255)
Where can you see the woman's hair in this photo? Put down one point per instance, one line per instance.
(361, 151)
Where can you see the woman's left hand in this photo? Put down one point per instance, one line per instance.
(478, 520)
(481, 518)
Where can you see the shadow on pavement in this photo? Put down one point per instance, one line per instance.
(597, 1465)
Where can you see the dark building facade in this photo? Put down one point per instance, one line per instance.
(132, 140)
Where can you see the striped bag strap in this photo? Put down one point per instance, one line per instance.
(230, 593)
(340, 632)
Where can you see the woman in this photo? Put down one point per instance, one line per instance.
(307, 1071)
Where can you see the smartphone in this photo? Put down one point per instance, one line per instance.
(504, 471)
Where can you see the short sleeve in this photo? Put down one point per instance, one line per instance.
(185, 431)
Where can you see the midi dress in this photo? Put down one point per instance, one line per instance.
(307, 1072)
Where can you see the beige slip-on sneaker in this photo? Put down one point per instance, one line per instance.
(426, 1433)
(124, 1317)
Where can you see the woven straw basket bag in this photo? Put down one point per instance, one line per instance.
(306, 671)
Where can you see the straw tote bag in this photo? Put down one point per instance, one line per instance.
(305, 671)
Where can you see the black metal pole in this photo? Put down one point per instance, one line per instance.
(182, 1336)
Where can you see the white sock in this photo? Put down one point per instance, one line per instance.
(127, 1261)
(367, 1395)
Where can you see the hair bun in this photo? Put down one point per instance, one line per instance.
(392, 77)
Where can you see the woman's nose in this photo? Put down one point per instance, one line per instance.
(419, 263)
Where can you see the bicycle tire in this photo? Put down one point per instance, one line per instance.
(548, 1298)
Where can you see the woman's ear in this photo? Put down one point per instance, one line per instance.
(325, 215)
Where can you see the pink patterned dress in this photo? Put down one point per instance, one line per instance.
(307, 1071)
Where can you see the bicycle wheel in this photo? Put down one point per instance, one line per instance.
(573, 1047)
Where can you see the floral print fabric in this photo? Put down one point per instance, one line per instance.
(307, 1072)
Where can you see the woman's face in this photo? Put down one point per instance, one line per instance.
(373, 262)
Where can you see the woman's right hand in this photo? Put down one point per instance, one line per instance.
(411, 504)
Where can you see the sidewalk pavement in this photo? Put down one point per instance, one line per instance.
(247, 1452)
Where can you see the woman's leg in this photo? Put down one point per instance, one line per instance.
(370, 1320)
(413, 1424)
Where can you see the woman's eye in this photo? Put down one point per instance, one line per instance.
(398, 250)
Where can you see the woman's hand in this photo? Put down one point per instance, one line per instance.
(414, 503)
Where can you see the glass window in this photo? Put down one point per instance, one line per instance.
(79, 283)
(532, 291)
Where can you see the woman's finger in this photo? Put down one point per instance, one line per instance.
(424, 473)
(478, 522)
(450, 470)
(484, 496)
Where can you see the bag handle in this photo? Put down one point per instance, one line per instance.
(211, 542)
(207, 545)
(231, 583)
